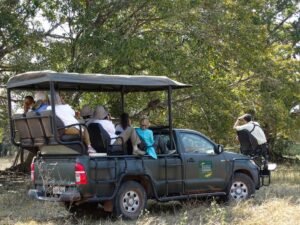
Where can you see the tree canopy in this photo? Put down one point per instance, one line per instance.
(240, 56)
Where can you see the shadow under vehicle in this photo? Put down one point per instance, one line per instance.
(63, 170)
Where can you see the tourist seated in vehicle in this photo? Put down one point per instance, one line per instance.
(41, 102)
(151, 146)
(67, 115)
(124, 123)
(86, 113)
(28, 103)
(102, 117)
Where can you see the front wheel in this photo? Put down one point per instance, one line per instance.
(242, 187)
(130, 200)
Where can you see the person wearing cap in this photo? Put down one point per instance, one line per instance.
(102, 117)
(67, 115)
(41, 102)
(245, 122)
(86, 113)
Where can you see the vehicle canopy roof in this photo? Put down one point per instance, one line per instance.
(92, 82)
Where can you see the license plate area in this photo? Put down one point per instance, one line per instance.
(57, 190)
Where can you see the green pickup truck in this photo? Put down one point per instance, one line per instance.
(63, 170)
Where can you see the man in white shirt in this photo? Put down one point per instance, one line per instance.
(67, 115)
(102, 117)
(245, 123)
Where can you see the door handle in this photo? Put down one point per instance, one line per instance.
(190, 160)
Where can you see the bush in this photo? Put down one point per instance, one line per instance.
(285, 147)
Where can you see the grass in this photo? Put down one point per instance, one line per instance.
(5, 162)
(278, 204)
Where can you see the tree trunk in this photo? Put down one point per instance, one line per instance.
(23, 166)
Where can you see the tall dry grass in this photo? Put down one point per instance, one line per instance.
(278, 204)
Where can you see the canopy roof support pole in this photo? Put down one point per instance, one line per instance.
(52, 102)
(122, 99)
(12, 134)
(170, 115)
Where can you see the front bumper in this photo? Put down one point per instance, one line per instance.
(68, 196)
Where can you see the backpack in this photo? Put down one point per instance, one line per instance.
(248, 143)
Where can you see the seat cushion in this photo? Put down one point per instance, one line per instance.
(68, 137)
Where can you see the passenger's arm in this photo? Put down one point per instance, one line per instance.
(238, 122)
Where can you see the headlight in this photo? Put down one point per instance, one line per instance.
(252, 161)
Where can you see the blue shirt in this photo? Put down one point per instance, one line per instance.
(42, 108)
(147, 136)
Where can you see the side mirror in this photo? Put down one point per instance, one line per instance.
(219, 149)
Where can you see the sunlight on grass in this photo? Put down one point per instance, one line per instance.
(278, 204)
(6, 162)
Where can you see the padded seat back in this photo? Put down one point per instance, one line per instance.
(35, 128)
(99, 137)
(47, 123)
(22, 130)
(100, 141)
(46, 118)
(248, 143)
(49, 131)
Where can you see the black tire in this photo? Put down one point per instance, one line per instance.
(130, 200)
(241, 188)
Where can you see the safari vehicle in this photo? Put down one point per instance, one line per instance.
(63, 171)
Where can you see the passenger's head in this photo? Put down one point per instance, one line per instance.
(100, 113)
(144, 123)
(86, 112)
(40, 96)
(124, 120)
(40, 99)
(248, 117)
(28, 103)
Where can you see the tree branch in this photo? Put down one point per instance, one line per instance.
(52, 29)
(283, 21)
(59, 36)
(240, 81)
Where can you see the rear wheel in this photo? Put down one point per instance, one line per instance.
(130, 200)
(242, 187)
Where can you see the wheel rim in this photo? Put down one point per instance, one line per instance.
(131, 201)
(239, 190)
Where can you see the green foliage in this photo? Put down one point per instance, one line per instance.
(240, 56)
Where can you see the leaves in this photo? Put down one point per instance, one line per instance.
(239, 56)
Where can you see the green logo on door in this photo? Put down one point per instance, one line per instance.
(205, 167)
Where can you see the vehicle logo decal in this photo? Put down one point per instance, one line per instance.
(205, 168)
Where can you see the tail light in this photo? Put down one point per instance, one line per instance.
(32, 171)
(80, 174)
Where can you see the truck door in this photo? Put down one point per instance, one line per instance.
(205, 171)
